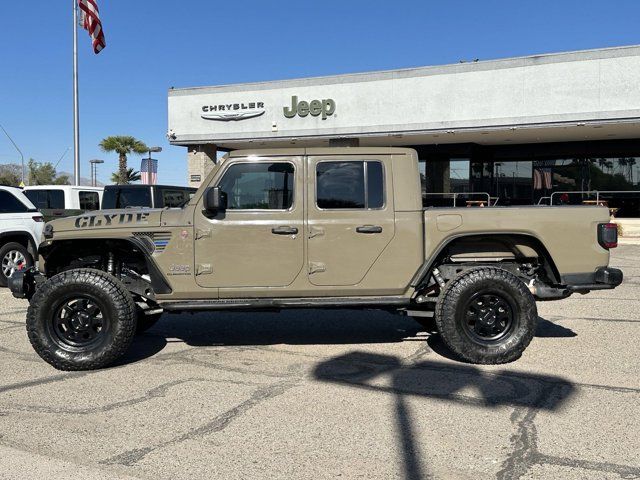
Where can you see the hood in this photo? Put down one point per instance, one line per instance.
(101, 219)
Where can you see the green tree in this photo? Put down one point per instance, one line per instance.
(130, 176)
(123, 145)
(45, 174)
(10, 174)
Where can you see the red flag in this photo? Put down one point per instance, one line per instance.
(91, 23)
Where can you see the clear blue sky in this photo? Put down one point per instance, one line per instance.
(153, 45)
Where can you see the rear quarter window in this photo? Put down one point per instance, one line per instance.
(46, 199)
(89, 200)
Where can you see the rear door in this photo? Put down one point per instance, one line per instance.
(259, 240)
(350, 216)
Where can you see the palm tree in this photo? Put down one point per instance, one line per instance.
(123, 146)
(130, 176)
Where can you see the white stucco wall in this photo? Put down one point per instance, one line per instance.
(588, 86)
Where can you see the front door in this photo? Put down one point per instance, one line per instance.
(350, 216)
(259, 240)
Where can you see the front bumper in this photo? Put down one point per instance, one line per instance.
(23, 284)
(604, 278)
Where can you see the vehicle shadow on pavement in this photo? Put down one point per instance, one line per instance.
(547, 329)
(291, 327)
(143, 346)
(297, 327)
(462, 384)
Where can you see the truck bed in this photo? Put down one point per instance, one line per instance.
(569, 233)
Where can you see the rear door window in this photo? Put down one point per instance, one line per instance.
(10, 204)
(350, 185)
(123, 197)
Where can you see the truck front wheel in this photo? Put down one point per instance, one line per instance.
(486, 315)
(81, 319)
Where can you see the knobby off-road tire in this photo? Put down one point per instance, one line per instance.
(81, 319)
(9, 252)
(486, 315)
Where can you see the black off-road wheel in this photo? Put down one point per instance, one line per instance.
(13, 257)
(486, 315)
(81, 319)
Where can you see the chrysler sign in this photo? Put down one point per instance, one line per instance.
(232, 111)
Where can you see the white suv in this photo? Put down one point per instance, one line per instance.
(20, 230)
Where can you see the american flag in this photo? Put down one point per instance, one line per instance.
(149, 171)
(543, 174)
(91, 22)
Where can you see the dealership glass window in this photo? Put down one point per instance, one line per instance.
(441, 177)
(512, 182)
(46, 199)
(260, 185)
(89, 200)
(10, 204)
(616, 179)
(350, 184)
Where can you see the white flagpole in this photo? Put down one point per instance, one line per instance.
(76, 119)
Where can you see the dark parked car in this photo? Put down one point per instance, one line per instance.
(152, 196)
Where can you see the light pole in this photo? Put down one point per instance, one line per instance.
(94, 170)
(19, 151)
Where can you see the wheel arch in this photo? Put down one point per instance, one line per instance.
(57, 254)
(512, 241)
(22, 237)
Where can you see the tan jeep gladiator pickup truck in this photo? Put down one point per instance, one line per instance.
(319, 228)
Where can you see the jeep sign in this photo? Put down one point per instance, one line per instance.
(324, 107)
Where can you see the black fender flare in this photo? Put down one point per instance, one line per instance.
(159, 282)
(429, 263)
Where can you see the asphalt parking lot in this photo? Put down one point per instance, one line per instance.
(326, 394)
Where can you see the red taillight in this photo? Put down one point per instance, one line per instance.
(608, 235)
(38, 219)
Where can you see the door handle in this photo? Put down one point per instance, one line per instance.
(284, 230)
(369, 229)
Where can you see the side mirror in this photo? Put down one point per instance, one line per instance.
(215, 200)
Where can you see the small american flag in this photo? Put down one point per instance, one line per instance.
(90, 19)
(149, 171)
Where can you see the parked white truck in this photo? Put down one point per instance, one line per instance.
(20, 230)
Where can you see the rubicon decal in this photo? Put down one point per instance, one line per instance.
(88, 221)
(232, 111)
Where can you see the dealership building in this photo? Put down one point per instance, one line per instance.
(556, 128)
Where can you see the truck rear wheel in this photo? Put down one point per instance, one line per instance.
(486, 315)
(81, 319)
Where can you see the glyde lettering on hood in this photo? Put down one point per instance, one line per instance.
(88, 221)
